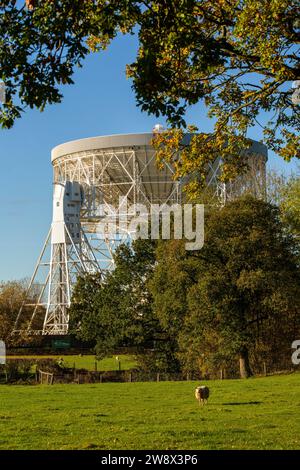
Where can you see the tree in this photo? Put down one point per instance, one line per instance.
(244, 289)
(275, 182)
(290, 204)
(42, 42)
(173, 275)
(239, 57)
(12, 295)
(116, 311)
(284, 192)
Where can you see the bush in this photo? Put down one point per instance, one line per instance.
(19, 369)
(153, 361)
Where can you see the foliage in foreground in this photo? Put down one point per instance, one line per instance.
(238, 57)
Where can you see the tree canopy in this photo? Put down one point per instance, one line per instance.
(284, 192)
(290, 204)
(116, 311)
(238, 57)
(12, 296)
(236, 297)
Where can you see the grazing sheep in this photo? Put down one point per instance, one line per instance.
(202, 394)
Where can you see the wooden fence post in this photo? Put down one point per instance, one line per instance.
(265, 369)
(157, 377)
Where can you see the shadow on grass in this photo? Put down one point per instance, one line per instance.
(236, 403)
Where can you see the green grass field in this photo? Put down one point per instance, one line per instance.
(261, 413)
(88, 361)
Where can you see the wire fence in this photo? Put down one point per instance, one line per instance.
(26, 371)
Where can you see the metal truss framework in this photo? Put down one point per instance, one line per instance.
(132, 174)
(53, 297)
(109, 178)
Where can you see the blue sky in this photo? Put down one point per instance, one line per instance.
(101, 102)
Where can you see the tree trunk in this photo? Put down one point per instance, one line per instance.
(245, 370)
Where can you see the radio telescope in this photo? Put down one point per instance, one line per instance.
(89, 177)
